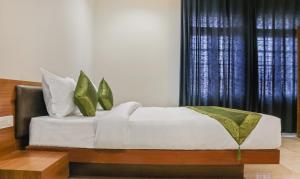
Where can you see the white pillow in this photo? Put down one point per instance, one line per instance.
(58, 94)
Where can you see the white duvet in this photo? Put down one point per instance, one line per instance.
(131, 126)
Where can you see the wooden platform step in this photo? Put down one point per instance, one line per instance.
(34, 165)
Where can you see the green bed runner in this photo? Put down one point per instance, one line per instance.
(238, 123)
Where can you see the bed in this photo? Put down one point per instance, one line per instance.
(148, 128)
(158, 157)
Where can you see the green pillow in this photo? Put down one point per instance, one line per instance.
(105, 96)
(85, 96)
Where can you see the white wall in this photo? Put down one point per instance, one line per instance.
(54, 34)
(134, 44)
(137, 49)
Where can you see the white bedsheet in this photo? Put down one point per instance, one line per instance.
(177, 128)
(72, 131)
(131, 126)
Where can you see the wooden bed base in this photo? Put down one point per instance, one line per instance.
(162, 163)
(166, 157)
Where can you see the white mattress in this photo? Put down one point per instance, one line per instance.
(72, 131)
(132, 127)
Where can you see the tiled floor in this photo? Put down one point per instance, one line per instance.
(289, 167)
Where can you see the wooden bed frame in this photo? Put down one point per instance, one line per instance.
(153, 163)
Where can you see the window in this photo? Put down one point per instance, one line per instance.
(213, 40)
(276, 56)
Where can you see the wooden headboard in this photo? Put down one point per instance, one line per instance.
(8, 95)
(8, 143)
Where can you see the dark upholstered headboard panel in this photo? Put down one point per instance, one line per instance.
(29, 103)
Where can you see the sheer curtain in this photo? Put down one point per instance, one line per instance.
(276, 24)
(240, 54)
(213, 61)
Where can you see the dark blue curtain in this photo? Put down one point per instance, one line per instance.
(241, 54)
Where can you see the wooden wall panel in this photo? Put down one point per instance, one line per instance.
(298, 94)
(7, 141)
(7, 95)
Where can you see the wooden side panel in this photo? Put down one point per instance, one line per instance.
(8, 95)
(298, 94)
(34, 165)
(168, 157)
(7, 141)
(12, 174)
(58, 170)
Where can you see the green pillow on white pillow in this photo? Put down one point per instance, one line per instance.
(105, 96)
(85, 96)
